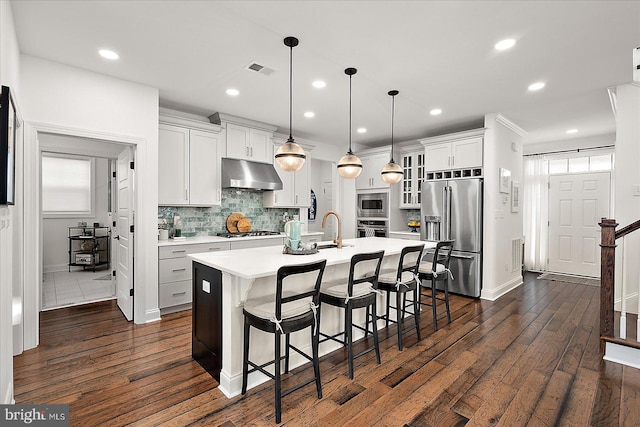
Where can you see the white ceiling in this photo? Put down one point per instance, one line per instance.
(437, 54)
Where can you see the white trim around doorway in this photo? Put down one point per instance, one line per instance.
(145, 309)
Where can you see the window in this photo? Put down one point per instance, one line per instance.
(67, 186)
(602, 162)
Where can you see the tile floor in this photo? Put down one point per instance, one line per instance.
(64, 289)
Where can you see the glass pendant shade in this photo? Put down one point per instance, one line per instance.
(349, 166)
(290, 157)
(392, 173)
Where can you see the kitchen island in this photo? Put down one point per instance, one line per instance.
(222, 281)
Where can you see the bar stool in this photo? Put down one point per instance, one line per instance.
(281, 314)
(437, 270)
(401, 282)
(355, 293)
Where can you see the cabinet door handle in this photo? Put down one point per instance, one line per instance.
(178, 251)
(175, 294)
(246, 151)
(178, 269)
(186, 194)
(219, 195)
(296, 199)
(449, 161)
(251, 148)
(453, 160)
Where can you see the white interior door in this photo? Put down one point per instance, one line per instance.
(577, 202)
(124, 237)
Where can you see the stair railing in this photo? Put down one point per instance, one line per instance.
(608, 238)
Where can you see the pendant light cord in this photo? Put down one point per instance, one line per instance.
(393, 113)
(290, 94)
(350, 152)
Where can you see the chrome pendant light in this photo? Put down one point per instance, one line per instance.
(392, 172)
(350, 165)
(290, 156)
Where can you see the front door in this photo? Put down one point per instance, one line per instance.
(124, 237)
(577, 202)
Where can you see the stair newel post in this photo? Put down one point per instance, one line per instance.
(607, 276)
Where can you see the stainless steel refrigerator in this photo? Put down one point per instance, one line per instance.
(452, 210)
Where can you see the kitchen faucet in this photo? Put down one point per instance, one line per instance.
(338, 240)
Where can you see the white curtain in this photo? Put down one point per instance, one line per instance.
(536, 212)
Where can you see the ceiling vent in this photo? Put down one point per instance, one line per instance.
(260, 69)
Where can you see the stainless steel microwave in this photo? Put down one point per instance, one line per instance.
(373, 205)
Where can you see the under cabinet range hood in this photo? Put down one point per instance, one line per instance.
(245, 174)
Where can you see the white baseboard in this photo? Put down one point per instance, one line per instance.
(7, 399)
(152, 315)
(54, 268)
(494, 294)
(622, 354)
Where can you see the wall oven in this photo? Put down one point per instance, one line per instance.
(373, 205)
(373, 228)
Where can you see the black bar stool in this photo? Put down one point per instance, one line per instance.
(355, 293)
(437, 270)
(401, 282)
(281, 314)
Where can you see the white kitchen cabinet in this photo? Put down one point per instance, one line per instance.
(249, 144)
(188, 166)
(404, 235)
(240, 243)
(455, 155)
(438, 157)
(411, 185)
(174, 273)
(370, 176)
(296, 192)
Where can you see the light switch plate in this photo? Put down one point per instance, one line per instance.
(206, 286)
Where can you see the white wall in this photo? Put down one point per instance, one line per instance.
(10, 224)
(55, 231)
(500, 224)
(626, 196)
(78, 102)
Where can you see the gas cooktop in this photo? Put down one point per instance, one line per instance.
(248, 234)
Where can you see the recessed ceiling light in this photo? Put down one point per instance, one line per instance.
(435, 112)
(318, 84)
(505, 44)
(309, 114)
(572, 131)
(233, 92)
(109, 54)
(362, 130)
(536, 86)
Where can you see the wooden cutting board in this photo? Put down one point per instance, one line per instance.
(244, 225)
(232, 222)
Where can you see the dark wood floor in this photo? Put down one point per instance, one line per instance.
(529, 358)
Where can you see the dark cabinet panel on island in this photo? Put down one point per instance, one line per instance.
(206, 338)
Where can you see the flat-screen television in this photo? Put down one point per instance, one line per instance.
(8, 129)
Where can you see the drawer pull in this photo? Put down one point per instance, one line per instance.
(214, 249)
(179, 269)
(178, 251)
(175, 294)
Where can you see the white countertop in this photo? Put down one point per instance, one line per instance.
(212, 239)
(261, 262)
